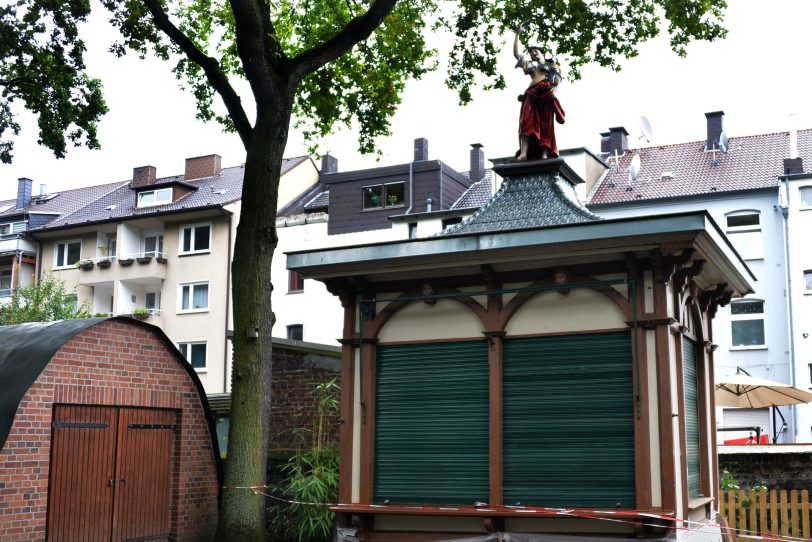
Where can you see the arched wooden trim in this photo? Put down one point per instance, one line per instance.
(380, 320)
(520, 299)
(691, 318)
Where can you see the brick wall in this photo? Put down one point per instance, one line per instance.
(118, 364)
(790, 470)
(293, 399)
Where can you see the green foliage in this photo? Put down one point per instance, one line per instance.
(727, 482)
(141, 312)
(43, 301)
(580, 32)
(312, 478)
(42, 66)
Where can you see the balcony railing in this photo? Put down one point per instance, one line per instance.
(17, 243)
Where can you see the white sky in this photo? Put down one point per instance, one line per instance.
(755, 76)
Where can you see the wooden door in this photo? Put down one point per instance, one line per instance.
(144, 475)
(83, 454)
(111, 474)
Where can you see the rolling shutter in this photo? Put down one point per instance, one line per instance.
(689, 388)
(568, 432)
(431, 427)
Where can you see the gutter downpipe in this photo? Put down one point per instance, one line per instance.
(790, 319)
(441, 184)
(228, 298)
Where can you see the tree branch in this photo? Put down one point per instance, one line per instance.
(357, 30)
(211, 68)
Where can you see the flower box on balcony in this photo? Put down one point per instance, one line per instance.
(141, 314)
(125, 261)
(144, 259)
(160, 259)
(104, 263)
(85, 265)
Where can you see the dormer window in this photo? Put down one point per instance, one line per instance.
(384, 195)
(154, 197)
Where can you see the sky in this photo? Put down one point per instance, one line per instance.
(755, 75)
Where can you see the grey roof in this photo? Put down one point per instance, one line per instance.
(477, 194)
(60, 203)
(527, 200)
(223, 188)
(320, 202)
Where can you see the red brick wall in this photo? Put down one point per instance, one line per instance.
(293, 397)
(118, 364)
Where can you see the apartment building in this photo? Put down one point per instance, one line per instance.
(160, 248)
(742, 182)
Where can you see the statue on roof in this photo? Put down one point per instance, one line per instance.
(539, 103)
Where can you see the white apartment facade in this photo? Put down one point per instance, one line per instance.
(161, 249)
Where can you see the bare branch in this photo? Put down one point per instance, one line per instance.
(211, 68)
(357, 30)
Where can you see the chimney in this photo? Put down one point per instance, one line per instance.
(477, 170)
(793, 166)
(421, 149)
(604, 141)
(143, 176)
(202, 167)
(43, 190)
(24, 186)
(715, 127)
(618, 140)
(329, 164)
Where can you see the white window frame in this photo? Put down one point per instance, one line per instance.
(192, 240)
(807, 282)
(191, 285)
(60, 265)
(13, 227)
(158, 244)
(762, 316)
(731, 231)
(10, 271)
(156, 194)
(801, 197)
(189, 344)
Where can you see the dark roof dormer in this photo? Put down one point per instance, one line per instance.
(151, 191)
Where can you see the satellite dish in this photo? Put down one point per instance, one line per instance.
(634, 167)
(645, 129)
(724, 142)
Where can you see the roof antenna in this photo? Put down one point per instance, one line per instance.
(721, 145)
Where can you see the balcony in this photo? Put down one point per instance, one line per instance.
(16, 243)
(135, 267)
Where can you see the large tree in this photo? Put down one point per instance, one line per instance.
(321, 62)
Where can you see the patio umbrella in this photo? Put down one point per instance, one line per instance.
(745, 391)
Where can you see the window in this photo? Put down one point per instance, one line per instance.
(155, 197)
(806, 196)
(5, 282)
(153, 244)
(810, 374)
(412, 230)
(195, 238)
(67, 253)
(296, 332)
(451, 221)
(12, 227)
(195, 354)
(152, 301)
(808, 281)
(111, 245)
(747, 322)
(744, 231)
(194, 296)
(295, 282)
(384, 195)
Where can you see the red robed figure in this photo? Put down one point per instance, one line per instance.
(539, 107)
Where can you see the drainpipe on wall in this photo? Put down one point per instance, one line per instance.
(790, 320)
(411, 192)
(441, 184)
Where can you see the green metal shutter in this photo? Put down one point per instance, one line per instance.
(689, 387)
(431, 423)
(568, 432)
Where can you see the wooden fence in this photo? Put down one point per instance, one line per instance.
(761, 513)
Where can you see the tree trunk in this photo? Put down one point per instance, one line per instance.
(242, 511)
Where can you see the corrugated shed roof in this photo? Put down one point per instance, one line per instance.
(66, 201)
(534, 200)
(751, 163)
(224, 188)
